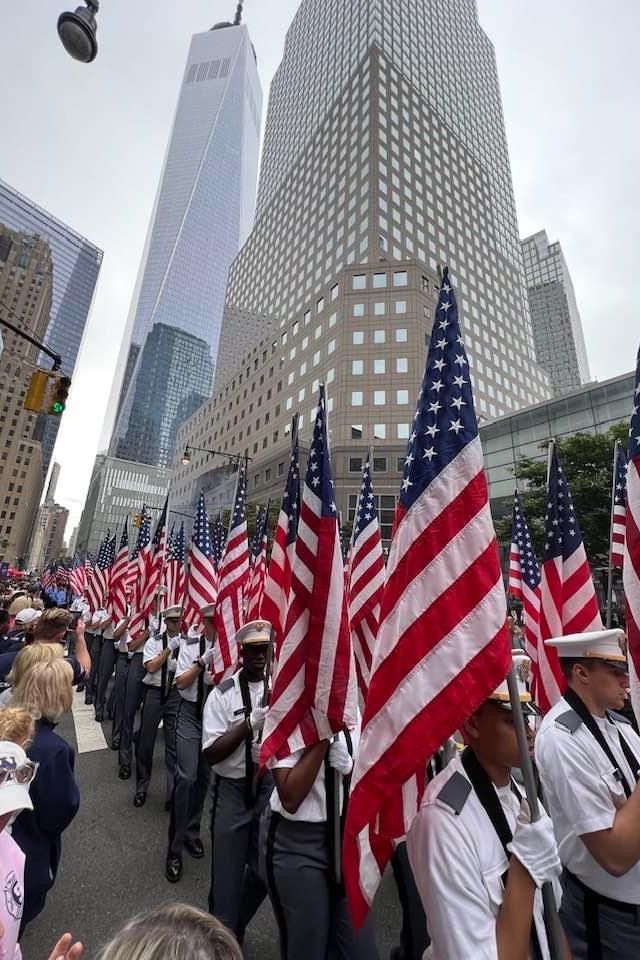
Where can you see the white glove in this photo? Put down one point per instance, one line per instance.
(339, 758)
(257, 718)
(207, 657)
(534, 845)
(173, 643)
(255, 752)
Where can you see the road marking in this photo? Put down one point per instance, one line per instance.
(89, 735)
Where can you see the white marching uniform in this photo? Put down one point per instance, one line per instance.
(458, 862)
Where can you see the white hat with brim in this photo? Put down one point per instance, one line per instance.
(27, 616)
(608, 645)
(208, 611)
(14, 797)
(256, 631)
(172, 613)
(522, 668)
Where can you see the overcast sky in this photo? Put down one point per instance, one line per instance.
(87, 144)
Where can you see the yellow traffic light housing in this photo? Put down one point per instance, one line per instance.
(59, 395)
(137, 520)
(36, 391)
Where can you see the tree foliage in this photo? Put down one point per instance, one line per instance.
(587, 460)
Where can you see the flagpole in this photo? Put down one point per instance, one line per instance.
(551, 918)
(610, 567)
(550, 449)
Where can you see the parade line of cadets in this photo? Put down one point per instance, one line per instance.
(473, 861)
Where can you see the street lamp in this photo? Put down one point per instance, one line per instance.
(77, 31)
(234, 458)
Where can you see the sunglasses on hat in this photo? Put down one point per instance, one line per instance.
(22, 773)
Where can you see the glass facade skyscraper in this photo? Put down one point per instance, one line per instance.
(202, 215)
(76, 265)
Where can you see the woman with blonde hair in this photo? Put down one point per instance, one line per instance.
(46, 690)
(25, 660)
(173, 930)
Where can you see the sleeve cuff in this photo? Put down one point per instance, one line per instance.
(594, 824)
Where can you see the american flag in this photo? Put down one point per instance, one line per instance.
(119, 577)
(155, 561)
(619, 512)
(314, 689)
(201, 577)
(233, 573)
(258, 574)
(143, 558)
(524, 578)
(62, 575)
(218, 539)
(631, 568)
(365, 579)
(78, 576)
(99, 583)
(175, 578)
(48, 578)
(277, 589)
(568, 602)
(443, 643)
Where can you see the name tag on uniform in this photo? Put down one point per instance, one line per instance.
(239, 712)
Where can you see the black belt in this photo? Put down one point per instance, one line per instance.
(599, 899)
(591, 902)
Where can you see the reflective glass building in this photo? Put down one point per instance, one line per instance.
(202, 215)
(76, 265)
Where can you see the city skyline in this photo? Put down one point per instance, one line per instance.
(562, 190)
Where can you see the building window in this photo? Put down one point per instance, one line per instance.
(301, 394)
(358, 338)
(403, 431)
(335, 290)
(356, 398)
(380, 309)
(401, 306)
(356, 431)
(380, 464)
(400, 278)
(401, 335)
(402, 365)
(355, 464)
(358, 309)
(379, 398)
(267, 475)
(379, 336)
(379, 366)
(360, 281)
(280, 469)
(331, 347)
(379, 433)
(357, 367)
(320, 305)
(379, 280)
(400, 464)
(402, 397)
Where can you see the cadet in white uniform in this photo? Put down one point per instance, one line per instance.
(478, 862)
(161, 701)
(588, 760)
(193, 680)
(296, 837)
(96, 625)
(233, 718)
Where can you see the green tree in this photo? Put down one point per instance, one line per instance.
(587, 460)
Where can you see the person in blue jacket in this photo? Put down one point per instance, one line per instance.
(47, 691)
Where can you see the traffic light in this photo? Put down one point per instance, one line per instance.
(59, 394)
(137, 520)
(37, 390)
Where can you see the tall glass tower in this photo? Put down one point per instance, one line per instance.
(76, 265)
(202, 215)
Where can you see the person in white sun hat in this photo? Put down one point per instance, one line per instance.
(588, 756)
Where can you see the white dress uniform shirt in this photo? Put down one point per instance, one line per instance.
(458, 862)
(98, 617)
(81, 605)
(121, 644)
(153, 648)
(223, 710)
(313, 808)
(583, 795)
(188, 653)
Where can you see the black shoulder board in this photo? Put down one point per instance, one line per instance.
(225, 685)
(618, 717)
(455, 792)
(569, 720)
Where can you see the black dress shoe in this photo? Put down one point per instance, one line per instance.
(140, 799)
(88, 700)
(194, 848)
(115, 744)
(99, 716)
(167, 805)
(125, 772)
(80, 687)
(173, 870)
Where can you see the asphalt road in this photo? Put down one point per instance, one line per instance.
(113, 863)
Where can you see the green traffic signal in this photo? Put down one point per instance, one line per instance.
(59, 396)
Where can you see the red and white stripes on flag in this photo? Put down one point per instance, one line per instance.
(174, 573)
(119, 579)
(232, 581)
(277, 590)
(258, 573)
(143, 560)
(631, 568)
(619, 506)
(156, 559)
(314, 688)
(524, 578)
(365, 579)
(568, 602)
(443, 644)
(202, 579)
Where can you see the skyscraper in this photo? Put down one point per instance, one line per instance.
(76, 265)
(557, 327)
(202, 215)
(384, 157)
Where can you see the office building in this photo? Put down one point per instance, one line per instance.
(76, 265)
(118, 489)
(555, 318)
(26, 279)
(202, 215)
(385, 157)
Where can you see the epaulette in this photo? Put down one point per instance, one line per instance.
(455, 792)
(225, 685)
(618, 717)
(569, 720)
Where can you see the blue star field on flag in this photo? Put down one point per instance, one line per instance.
(562, 530)
(318, 477)
(218, 539)
(291, 498)
(177, 547)
(445, 420)
(620, 482)
(201, 533)
(367, 513)
(520, 535)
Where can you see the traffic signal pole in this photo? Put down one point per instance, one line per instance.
(57, 359)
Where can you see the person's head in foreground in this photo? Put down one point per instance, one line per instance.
(595, 667)
(46, 689)
(52, 626)
(490, 731)
(173, 930)
(28, 657)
